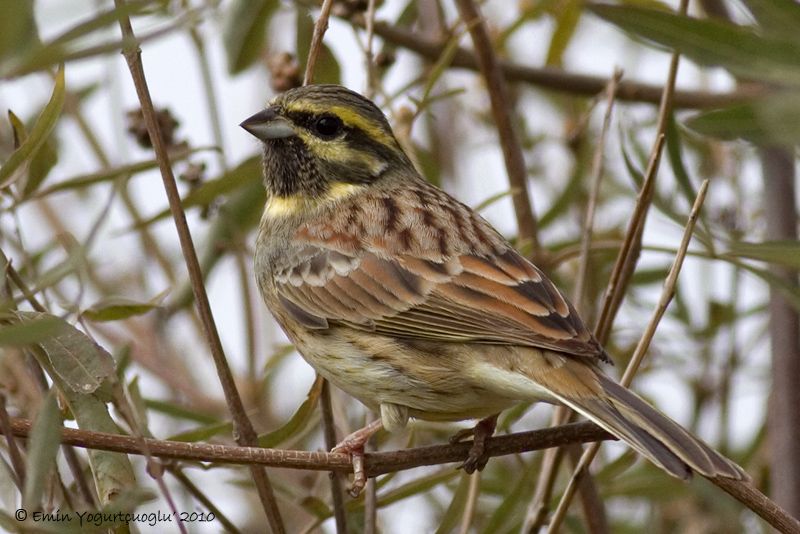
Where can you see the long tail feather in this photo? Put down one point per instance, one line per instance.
(651, 433)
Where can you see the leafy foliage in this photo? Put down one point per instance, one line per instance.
(96, 318)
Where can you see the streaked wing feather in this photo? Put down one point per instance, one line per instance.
(499, 299)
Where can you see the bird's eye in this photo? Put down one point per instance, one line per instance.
(328, 126)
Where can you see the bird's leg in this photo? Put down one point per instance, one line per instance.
(353, 445)
(477, 458)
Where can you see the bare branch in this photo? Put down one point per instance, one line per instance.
(320, 28)
(501, 111)
(638, 355)
(243, 429)
(562, 81)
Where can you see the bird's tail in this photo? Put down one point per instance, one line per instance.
(651, 433)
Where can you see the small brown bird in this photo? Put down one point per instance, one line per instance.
(412, 303)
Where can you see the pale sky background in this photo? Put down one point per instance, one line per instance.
(174, 80)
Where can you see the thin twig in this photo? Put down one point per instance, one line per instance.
(641, 349)
(594, 192)
(509, 141)
(17, 462)
(629, 253)
(320, 28)
(379, 463)
(594, 513)
(337, 491)
(192, 488)
(561, 81)
(243, 428)
(210, 94)
(368, 51)
(376, 463)
(537, 510)
(471, 505)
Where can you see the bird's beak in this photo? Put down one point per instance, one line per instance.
(267, 124)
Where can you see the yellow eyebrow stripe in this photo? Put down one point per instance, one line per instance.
(283, 206)
(349, 117)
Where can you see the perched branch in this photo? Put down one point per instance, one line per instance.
(378, 463)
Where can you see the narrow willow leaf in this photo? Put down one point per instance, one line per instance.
(452, 516)
(203, 433)
(712, 42)
(239, 215)
(40, 166)
(18, 31)
(777, 252)
(484, 204)
(316, 507)
(104, 19)
(246, 173)
(568, 13)
(18, 128)
(16, 333)
(107, 175)
(82, 364)
(116, 308)
(781, 17)
(245, 31)
(298, 421)
(510, 511)
(179, 412)
(675, 154)
(112, 471)
(14, 167)
(43, 446)
(417, 486)
(772, 119)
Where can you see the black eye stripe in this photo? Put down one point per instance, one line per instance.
(309, 121)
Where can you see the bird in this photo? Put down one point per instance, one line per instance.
(411, 302)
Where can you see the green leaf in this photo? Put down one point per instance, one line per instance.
(20, 158)
(712, 42)
(781, 17)
(777, 252)
(246, 173)
(567, 15)
(82, 364)
(769, 120)
(43, 443)
(299, 420)
(41, 165)
(113, 173)
(240, 214)
(16, 333)
(112, 471)
(675, 154)
(245, 30)
(179, 412)
(203, 433)
(116, 308)
(452, 516)
(18, 32)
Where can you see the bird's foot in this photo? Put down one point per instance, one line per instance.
(477, 458)
(354, 446)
